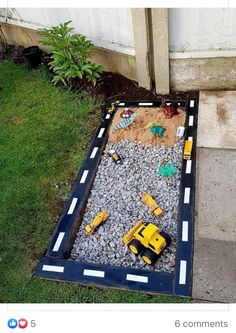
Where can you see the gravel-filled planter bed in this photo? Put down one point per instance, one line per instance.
(118, 189)
(102, 258)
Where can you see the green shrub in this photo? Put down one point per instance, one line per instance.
(70, 54)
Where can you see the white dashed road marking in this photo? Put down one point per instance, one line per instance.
(182, 272)
(94, 152)
(90, 272)
(190, 121)
(50, 268)
(186, 195)
(84, 176)
(137, 278)
(58, 241)
(185, 231)
(100, 134)
(188, 166)
(72, 206)
(144, 104)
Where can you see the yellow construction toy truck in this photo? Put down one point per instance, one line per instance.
(152, 204)
(146, 241)
(99, 219)
(188, 149)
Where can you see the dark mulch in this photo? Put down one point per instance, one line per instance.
(111, 86)
(11, 52)
(117, 87)
(114, 86)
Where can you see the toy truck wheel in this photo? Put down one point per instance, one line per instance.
(167, 237)
(135, 246)
(149, 257)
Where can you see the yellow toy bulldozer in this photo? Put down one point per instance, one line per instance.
(146, 241)
(152, 204)
(99, 219)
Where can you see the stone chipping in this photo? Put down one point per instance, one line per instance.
(118, 190)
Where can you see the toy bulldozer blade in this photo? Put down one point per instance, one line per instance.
(127, 237)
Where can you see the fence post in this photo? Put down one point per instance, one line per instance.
(141, 43)
(160, 54)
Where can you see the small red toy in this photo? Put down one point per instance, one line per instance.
(126, 113)
(169, 110)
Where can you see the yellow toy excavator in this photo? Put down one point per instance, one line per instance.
(147, 241)
(99, 219)
(152, 204)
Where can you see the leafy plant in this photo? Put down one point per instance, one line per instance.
(70, 55)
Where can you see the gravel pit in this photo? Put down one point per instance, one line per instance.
(118, 190)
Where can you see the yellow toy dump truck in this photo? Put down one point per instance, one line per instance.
(146, 241)
(188, 149)
(99, 219)
(152, 204)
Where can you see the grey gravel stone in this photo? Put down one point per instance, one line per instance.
(118, 190)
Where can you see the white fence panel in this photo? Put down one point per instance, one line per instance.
(201, 33)
(109, 28)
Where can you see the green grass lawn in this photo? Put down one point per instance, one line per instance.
(44, 134)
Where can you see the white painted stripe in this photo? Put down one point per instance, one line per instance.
(186, 195)
(188, 166)
(121, 104)
(196, 54)
(191, 103)
(94, 152)
(108, 116)
(190, 122)
(72, 206)
(50, 268)
(90, 272)
(182, 272)
(137, 278)
(58, 241)
(144, 104)
(84, 176)
(190, 138)
(185, 231)
(100, 134)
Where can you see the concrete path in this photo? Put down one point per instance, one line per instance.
(214, 267)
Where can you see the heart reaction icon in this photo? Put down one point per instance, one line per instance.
(22, 323)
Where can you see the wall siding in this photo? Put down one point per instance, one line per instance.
(110, 28)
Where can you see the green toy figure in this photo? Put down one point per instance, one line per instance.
(156, 130)
(168, 170)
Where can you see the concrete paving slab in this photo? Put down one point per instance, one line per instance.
(217, 119)
(216, 194)
(214, 266)
(214, 271)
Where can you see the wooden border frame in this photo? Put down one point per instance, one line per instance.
(55, 264)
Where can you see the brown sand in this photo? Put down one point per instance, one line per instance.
(138, 130)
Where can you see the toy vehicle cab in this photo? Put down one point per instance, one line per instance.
(147, 241)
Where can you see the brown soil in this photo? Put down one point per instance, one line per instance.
(114, 86)
(138, 130)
